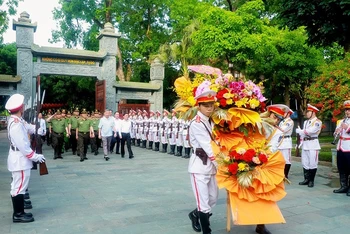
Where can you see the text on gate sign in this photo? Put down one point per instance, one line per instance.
(68, 60)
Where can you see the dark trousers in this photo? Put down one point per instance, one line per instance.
(57, 143)
(73, 140)
(126, 138)
(343, 162)
(48, 137)
(83, 140)
(95, 142)
(115, 140)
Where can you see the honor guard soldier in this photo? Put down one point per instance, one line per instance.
(172, 131)
(310, 145)
(95, 141)
(202, 165)
(185, 138)
(342, 132)
(179, 138)
(73, 124)
(20, 158)
(58, 129)
(164, 130)
(285, 144)
(156, 130)
(84, 132)
(144, 129)
(150, 126)
(138, 121)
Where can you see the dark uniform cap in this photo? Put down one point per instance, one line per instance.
(68, 113)
(58, 112)
(64, 111)
(96, 111)
(76, 109)
(84, 111)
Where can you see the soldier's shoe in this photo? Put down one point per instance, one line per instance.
(26, 196)
(28, 214)
(21, 218)
(85, 158)
(28, 206)
(261, 229)
(59, 156)
(81, 160)
(96, 152)
(193, 215)
(106, 158)
(28, 202)
(74, 152)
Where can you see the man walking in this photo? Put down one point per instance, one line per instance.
(125, 131)
(105, 132)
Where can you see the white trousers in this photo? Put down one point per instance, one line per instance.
(172, 138)
(309, 159)
(287, 155)
(179, 139)
(205, 191)
(20, 181)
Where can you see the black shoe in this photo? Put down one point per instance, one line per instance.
(310, 184)
(261, 229)
(21, 218)
(132, 156)
(28, 202)
(60, 157)
(96, 152)
(28, 214)
(28, 206)
(106, 158)
(195, 221)
(81, 160)
(122, 155)
(117, 153)
(26, 196)
(85, 158)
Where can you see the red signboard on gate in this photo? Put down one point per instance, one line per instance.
(100, 95)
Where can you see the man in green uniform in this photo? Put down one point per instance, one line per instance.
(57, 129)
(95, 141)
(66, 137)
(73, 124)
(83, 133)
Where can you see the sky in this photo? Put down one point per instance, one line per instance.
(40, 11)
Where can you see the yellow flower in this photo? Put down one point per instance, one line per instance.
(240, 150)
(228, 95)
(229, 101)
(227, 159)
(191, 100)
(254, 103)
(241, 102)
(243, 166)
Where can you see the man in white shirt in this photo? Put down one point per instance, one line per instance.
(41, 133)
(105, 132)
(125, 132)
(116, 140)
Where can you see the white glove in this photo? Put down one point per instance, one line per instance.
(38, 158)
(299, 131)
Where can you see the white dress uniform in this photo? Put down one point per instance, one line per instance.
(156, 129)
(344, 137)
(138, 121)
(285, 143)
(185, 137)
(203, 180)
(311, 145)
(164, 130)
(178, 132)
(144, 128)
(172, 130)
(151, 123)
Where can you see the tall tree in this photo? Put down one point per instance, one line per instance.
(7, 7)
(8, 59)
(326, 21)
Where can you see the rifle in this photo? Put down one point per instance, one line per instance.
(143, 127)
(42, 165)
(148, 127)
(163, 127)
(171, 130)
(157, 128)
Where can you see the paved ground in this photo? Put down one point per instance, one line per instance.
(151, 194)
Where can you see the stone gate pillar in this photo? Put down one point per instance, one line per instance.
(157, 77)
(108, 40)
(24, 39)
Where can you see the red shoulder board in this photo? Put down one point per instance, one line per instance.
(198, 119)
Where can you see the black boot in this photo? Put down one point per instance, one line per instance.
(138, 142)
(286, 170)
(187, 152)
(261, 229)
(150, 145)
(143, 144)
(306, 177)
(343, 183)
(19, 216)
(204, 220)
(312, 177)
(156, 146)
(26, 196)
(194, 217)
(179, 151)
(165, 148)
(172, 149)
(28, 202)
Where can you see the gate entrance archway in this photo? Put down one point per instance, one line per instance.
(33, 60)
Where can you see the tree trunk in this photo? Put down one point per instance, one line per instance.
(287, 95)
(120, 72)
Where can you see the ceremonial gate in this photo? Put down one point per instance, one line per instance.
(33, 60)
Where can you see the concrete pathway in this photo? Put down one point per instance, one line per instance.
(151, 194)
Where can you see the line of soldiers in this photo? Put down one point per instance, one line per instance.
(75, 131)
(160, 128)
